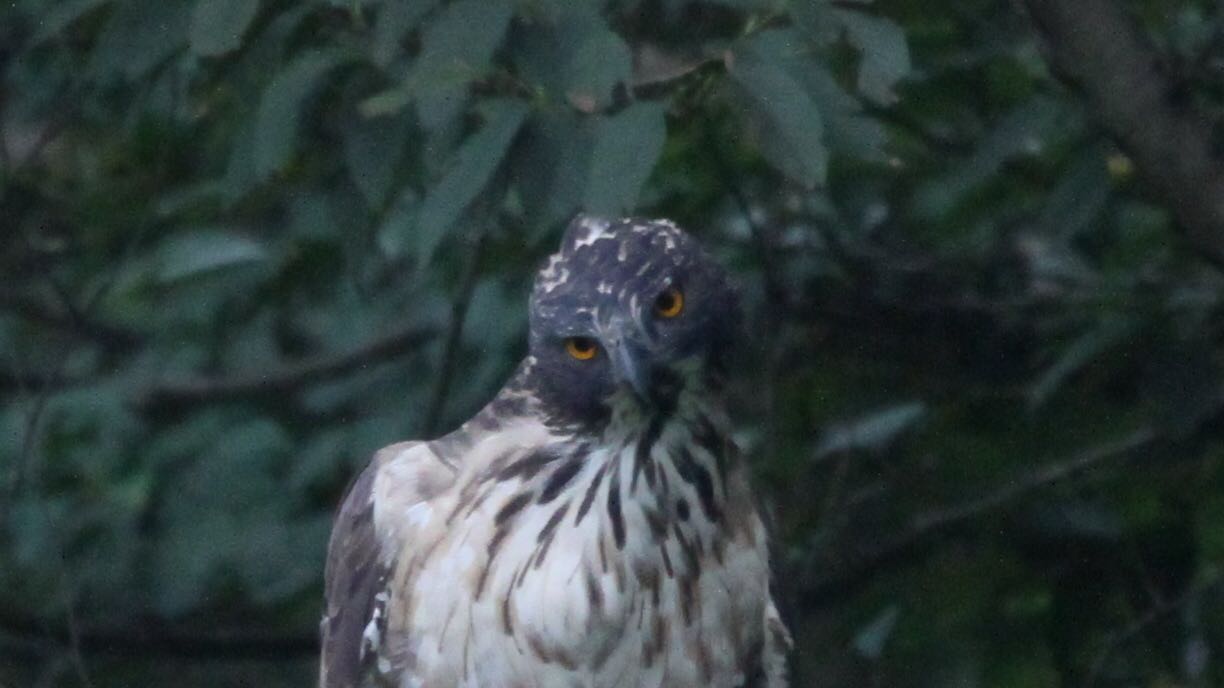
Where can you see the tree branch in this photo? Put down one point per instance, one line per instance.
(1135, 628)
(454, 334)
(1096, 46)
(277, 381)
(849, 570)
(31, 638)
(73, 322)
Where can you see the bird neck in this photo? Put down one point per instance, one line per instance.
(668, 470)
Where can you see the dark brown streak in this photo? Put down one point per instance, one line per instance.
(494, 546)
(660, 634)
(511, 508)
(657, 522)
(690, 554)
(560, 478)
(551, 525)
(696, 475)
(507, 621)
(641, 455)
(667, 563)
(687, 585)
(614, 509)
(590, 494)
(709, 439)
(528, 466)
(594, 592)
(548, 533)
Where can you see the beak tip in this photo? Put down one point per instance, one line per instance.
(632, 370)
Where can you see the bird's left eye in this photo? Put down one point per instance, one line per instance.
(581, 348)
(670, 303)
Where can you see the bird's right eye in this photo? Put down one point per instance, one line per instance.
(581, 348)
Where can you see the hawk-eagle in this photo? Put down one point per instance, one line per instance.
(591, 526)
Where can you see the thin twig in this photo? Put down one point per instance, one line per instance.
(762, 237)
(5, 160)
(1160, 609)
(106, 335)
(25, 636)
(454, 334)
(46, 135)
(853, 570)
(74, 639)
(206, 389)
(32, 434)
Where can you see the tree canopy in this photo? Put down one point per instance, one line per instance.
(245, 243)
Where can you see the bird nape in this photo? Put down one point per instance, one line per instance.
(591, 526)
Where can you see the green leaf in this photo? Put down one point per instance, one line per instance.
(1026, 131)
(1079, 198)
(396, 231)
(217, 26)
(1183, 382)
(189, 255)
(1209, 527)
(388, 102)
(787, 123)
(372, 151)
(281, 110)
(816, 20)
(552, 170)
(871, 640)
(872, 431)
(1074, 519)
(627, 146)
(138, 36)
(280, 558)
(473, 167)
(849, 130)
(61, 15)
(600, 62)
(575, 58)
(456, 48)
(1076, 356)
(394, 20)
(183, 569)
(884, 52)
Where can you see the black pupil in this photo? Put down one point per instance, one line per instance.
(666, 301)
(582, 345)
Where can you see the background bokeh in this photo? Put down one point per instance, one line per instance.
(243, 243)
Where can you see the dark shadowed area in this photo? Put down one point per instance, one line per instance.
(245, 243)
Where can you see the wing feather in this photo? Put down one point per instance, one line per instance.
(363, 550)
(352, 580)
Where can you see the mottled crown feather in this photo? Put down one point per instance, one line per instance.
(601, 257)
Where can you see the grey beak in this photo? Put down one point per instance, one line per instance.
(631, 365)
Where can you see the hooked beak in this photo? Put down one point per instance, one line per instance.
(631, 366)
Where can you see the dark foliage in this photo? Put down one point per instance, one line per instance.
(246, 243)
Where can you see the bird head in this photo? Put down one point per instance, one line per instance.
(628, 312)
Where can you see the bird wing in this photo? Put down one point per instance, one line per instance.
(359, 558)
(353, 576)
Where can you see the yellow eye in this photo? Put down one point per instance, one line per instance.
(581, 348)
(670, 303)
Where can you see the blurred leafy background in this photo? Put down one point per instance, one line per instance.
(245, 243)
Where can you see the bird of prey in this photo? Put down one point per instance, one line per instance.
(591, 526)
